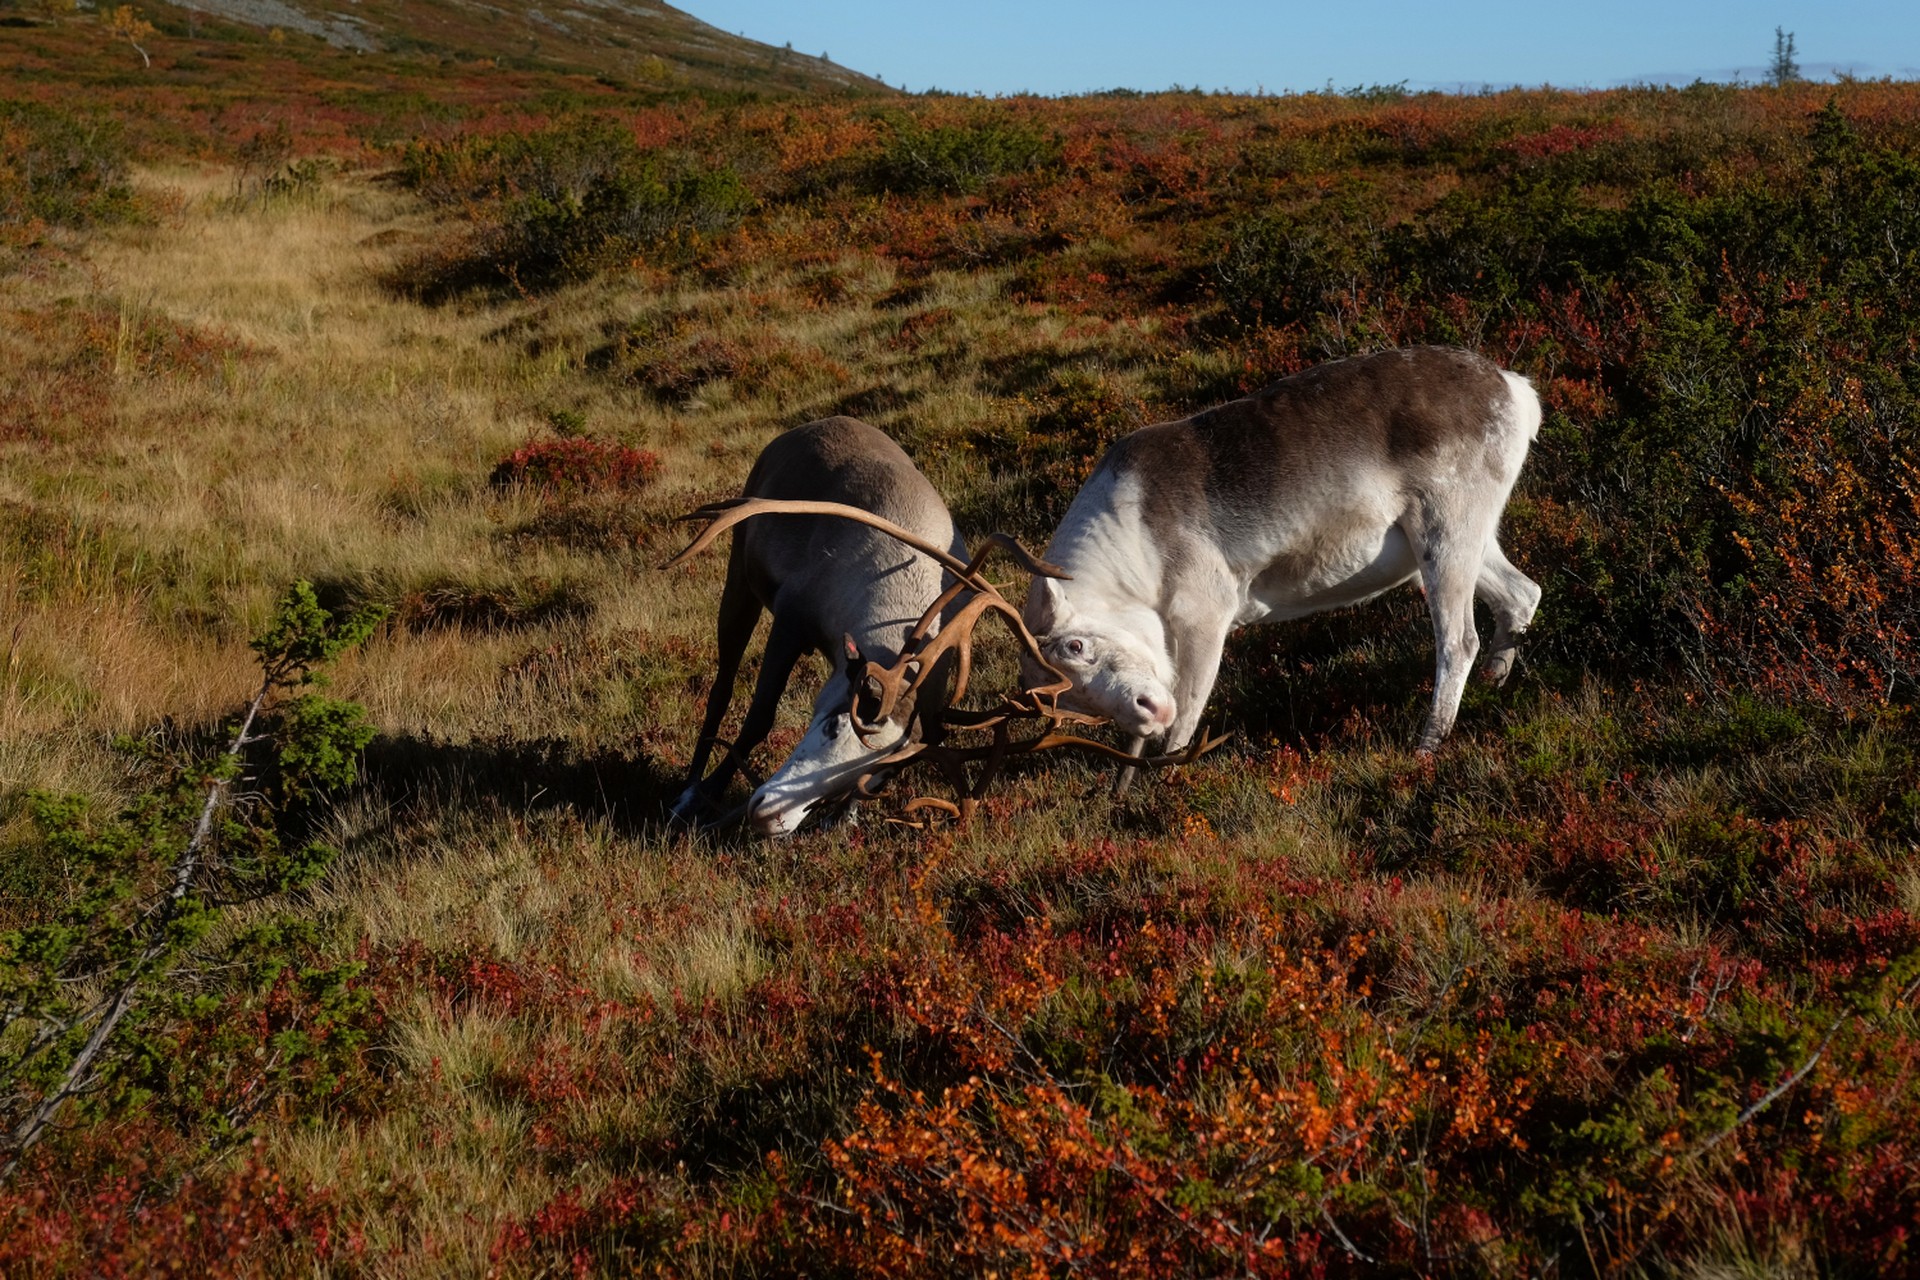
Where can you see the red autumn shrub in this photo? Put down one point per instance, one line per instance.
(1560, 139)
(114, 1204)
(577, 466)
(1136, 1103)
(1837, 546)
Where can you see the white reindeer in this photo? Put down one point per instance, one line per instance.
(846, 590)
(1323, 490)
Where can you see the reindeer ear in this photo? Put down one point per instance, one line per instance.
(1046, 606)
(852, 649)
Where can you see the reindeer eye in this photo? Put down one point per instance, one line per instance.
(1076, 647)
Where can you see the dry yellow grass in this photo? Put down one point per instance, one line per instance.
(343, 433)
(259, 404)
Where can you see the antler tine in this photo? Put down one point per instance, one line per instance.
(728, 512)
(708, 511)
(1200, 746)
(918, 636)
(957, 635)
(723, 519)
(991, 599)
(1006, 542)
(1016, 622)
(975, 580)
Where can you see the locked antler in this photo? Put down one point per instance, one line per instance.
(728, 512)
(932, 640)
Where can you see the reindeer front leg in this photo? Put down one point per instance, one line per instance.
(1196, 622)
(1197, 637)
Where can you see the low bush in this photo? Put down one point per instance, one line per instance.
(1049, 447)
(61, 167)
(1728, 476)
(564, 202)
(679, 357)
(451, 604)
(143, 996)
(961, 157)
(574, 465)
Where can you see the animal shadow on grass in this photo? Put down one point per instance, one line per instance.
(631, 792)
(1339, 678)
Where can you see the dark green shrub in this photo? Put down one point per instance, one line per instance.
(960, 158)
(630, 208)
(98, 995)
(1281, 268)
(1039, 460)
(61, 167)
(1728, 475)
(452, 605)
(562, 203)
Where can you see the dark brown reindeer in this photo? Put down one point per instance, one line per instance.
(849, 592)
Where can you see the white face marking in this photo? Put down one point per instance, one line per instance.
(1113, 675)
(1117, 661)
(826, 764)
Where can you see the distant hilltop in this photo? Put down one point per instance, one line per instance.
(635, 40)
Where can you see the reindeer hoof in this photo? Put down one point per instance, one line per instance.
(692, 810)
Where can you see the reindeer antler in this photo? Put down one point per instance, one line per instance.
(729, 512)
(952, 761)
(931, 640)
(924, 646)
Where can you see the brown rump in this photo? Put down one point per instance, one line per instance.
(859, 463)
(1399, 404)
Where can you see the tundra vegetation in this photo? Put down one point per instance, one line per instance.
(1620, 983)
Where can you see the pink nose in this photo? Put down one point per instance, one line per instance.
(1158, 711)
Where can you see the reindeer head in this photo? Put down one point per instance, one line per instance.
(872, 719)
(1116, 659)
(865, 725)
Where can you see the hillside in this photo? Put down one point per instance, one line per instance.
(1620, 983)
(638, 46)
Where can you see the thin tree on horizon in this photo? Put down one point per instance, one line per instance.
(1785, 69)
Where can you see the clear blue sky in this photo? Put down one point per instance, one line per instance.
(1072, 46)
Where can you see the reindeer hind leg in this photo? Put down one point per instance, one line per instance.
(1512, 597)
(1449, 559)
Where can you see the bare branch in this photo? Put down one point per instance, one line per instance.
(78, 1076)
